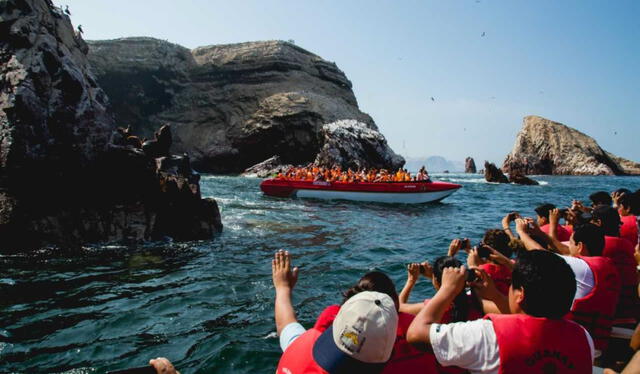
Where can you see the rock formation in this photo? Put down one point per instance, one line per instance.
(518, 178)
(233, 106)
(62, 180)
(493, 174)
(470, 165)
(266, 168)
(547, 147)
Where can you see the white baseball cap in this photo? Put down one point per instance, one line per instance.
(362, 335)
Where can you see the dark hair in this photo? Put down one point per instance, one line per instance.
(630, 200)
(622, 191)
(461, 305)
(498, 240)
(591, 236)
(373, 281)
(600, 198)
(548, 282)
(609, 218)
(543, 210)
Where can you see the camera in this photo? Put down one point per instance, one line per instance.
(483, 251)
(464, 243)
(472, 276)
(563, 212)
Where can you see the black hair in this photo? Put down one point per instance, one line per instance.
(543, 210)
(622, 191)
(630, 200)
(600, 198)
(373, 281)
(591, 236)
(548, 282)
(461, 305)
(609, 218)
(498, 240)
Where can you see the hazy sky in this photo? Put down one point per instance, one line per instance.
(576, 62)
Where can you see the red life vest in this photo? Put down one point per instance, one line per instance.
(298, 357)
(595, 311)
(530, 344)
(620, 251)
(563, 234)
(405, 357)
(500, 274)
(629, 229)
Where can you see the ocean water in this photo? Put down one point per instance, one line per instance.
(208, 305)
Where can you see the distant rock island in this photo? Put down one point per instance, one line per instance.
(434, 164)
(233, 106)
(546, 147)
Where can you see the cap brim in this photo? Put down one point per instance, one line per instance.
(333, 360)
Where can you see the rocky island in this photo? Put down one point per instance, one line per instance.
(546, 147)
(66, 176)
(233, 106)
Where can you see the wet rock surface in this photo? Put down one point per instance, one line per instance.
(546, 147)
(233, 106)
(493, 174)
(62, 179)
(266, 168)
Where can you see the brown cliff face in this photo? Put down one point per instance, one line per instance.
(232, 106)
(470, 165)
(62, 182)
(546, 147)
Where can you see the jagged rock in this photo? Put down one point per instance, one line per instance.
(628, 167)
(266, 168)
(546, 147)
(62, 182)
(353, 144)
(493, 174)
(469, 165)
(229, 106)
(519, 178)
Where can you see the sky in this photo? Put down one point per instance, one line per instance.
(575, 62)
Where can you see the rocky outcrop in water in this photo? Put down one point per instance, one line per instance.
(470, 166)
(267, 168)
(546, 147)
(233, 106)
(493, 174)
(518, 178)
(62, 180)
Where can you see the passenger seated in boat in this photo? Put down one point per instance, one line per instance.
(371, 305)
(541, 293)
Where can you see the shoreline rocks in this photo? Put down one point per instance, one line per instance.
(63, 181)
(236, 105)
(546, 147)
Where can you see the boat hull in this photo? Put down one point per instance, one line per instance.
(403, 193)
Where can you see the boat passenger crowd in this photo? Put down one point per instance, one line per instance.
(336, 174)
(554, 293)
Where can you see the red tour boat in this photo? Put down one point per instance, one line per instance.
(382, 192)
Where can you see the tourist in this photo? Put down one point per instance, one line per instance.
(542, 291)
(600, 198)
(405, 357)
(621, 252)
(498, 265)
(543, 221)
(628, 206)
(361, 338)
(465, 307)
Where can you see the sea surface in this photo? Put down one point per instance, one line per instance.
(208, 305)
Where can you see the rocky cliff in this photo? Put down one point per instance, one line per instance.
(546, 147)
(470, 165)
(62, 180)
(233, 106)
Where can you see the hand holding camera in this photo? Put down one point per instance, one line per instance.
(458, 244)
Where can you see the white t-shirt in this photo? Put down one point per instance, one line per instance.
(471, 345)
(584, 276)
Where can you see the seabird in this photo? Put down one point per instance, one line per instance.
(432, 99)
(483, 34)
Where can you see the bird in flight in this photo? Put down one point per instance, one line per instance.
(432, 99)
(483, 33)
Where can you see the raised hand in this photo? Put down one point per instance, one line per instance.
(282, 274)
(163, 366)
